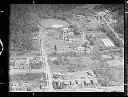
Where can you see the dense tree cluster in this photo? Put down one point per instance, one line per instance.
(117, 12)
(46, 13)
(24, 18)
(28, 29)
(22, 21)
(22, 43)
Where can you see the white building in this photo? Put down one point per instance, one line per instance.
(53, 59)
(80, 48)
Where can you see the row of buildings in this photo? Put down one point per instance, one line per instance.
(29, 71)
(75, 80)
(100, 39)
(27, 63)
(97, 40)
(94, 40)
(70, 42)
(28, 74)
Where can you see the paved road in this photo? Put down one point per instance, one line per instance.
(80, 90)
(112, 88)
(44, 54)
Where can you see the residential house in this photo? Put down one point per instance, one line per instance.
(81, 79)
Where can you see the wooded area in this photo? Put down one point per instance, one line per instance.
(24, 18)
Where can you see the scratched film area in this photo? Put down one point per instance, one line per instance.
(66, 48)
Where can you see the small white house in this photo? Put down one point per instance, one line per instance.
(53, 59)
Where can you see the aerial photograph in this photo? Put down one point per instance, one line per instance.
(66, 48)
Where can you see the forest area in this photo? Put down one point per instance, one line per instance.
(24, 18)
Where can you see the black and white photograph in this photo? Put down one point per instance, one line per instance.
(66, 48)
